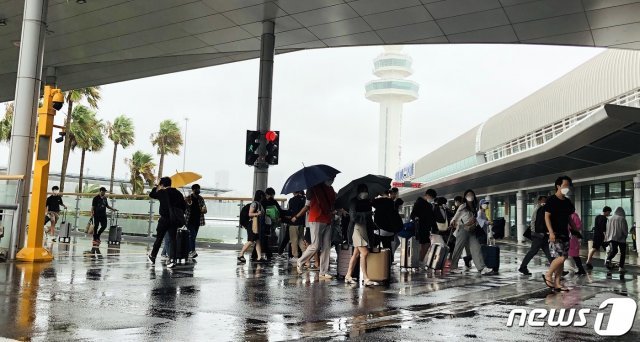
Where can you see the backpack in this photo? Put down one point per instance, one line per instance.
(273, 213)
(244, 215)
(541, 225)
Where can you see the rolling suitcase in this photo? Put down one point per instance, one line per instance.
(344, 257)
(437, 255)
(115, 233)
(491, 254)
(378, 264)
(182, 244)
(409, 253)
(65, 229)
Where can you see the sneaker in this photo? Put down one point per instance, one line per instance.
(151, 259)
(524, 271)
(488, 271)
(607, 264)
(195, 255)
(171, 264)
(164, 257)
(326, 276)
(589, 267)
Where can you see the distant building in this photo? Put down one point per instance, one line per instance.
(221, 178)
(392, 90)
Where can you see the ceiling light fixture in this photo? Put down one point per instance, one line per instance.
(81, 1)
(3, 22)
(16, 43)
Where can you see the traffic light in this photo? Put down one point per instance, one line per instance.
(273, 147)
(251, 150)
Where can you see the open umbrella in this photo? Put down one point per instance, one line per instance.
(375, 184)
(307, 177)
(181, 179)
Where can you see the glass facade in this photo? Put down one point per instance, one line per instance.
(389, 62)
(613, 194)
(396, 84)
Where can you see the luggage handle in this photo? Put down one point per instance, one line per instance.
(117, 213)
(64, 216)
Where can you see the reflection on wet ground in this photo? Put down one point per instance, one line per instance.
(113, 294)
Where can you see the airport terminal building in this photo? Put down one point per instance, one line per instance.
(585, 124)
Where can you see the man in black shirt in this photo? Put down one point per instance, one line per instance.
(270, 205)
(196, 208)
(53, 209)
(423, 211)
(558, 209)
(598, 234)
(99, 208)
(296, 230)
(168, 197)
(539, 236)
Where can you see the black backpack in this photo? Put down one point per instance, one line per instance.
(244, 215)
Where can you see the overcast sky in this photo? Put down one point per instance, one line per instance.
(320, 108)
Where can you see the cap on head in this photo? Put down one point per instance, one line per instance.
(103, 189)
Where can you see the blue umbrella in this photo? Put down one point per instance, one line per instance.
(307, 177)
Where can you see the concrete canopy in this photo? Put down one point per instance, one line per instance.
(105, 41)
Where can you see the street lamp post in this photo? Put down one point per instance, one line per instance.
(184, 149)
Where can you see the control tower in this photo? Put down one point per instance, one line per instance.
(391, 91)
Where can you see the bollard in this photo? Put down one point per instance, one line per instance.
(239, 225)
(150, 217)
(75, 221)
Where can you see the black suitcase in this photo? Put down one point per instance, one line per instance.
(115, 233)
(182, 244)
(65, 229)
(491, 252)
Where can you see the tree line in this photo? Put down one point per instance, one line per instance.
(85, 132)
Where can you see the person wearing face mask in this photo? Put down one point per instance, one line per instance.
(387, 219)
(320, 204)
(465, 222)
(360, 211)
(196, 208)
(423, 211)
(53, 209)
(539, 236)
(557, 218)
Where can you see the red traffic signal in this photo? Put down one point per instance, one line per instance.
(271, 136)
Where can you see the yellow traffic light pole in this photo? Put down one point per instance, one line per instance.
(34, 251)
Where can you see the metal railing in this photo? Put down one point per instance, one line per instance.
(546, 134)
(138, 215)
(10, 194)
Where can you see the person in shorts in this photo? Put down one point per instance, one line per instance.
(54, 202)
(598, 234)
(558, 210)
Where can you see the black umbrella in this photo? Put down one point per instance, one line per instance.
(375, 184)
(307, 177)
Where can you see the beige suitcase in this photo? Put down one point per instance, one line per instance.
(378, 266)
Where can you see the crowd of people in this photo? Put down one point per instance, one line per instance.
(464, 226)
(308, 228)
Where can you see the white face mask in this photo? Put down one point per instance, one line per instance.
(329, 182)
(484, 206)
(564, 191)
(469, 199)
(363, 195)
(55, 192)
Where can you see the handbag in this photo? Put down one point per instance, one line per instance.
(255, 225)
(90, 226)
(527, 233)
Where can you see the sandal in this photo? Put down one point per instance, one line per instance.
(349, 280)
(368, 282)
(561, 289)
(547, 282)
(242, 259)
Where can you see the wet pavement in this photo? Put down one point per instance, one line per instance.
(114, 294)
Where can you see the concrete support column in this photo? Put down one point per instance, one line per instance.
(636, 207)
(521, 214)
(28, 84)
(267, 51)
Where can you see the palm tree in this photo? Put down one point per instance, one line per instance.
(87, 132)
(6, 123)
(92, 95)
(168, 141)
(141, 167)
(121, 132)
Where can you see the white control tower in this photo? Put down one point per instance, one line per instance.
(392, 90)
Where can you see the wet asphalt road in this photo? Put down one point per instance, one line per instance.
(113, 294)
